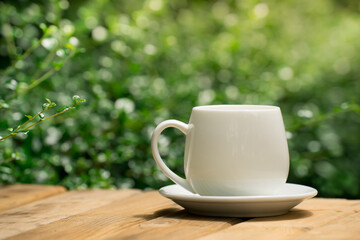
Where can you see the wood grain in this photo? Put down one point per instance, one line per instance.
(178, 225)
(16, 195)
(35, 214)
(132, 214)
(342, 228)
(104, 221)
(310, 215)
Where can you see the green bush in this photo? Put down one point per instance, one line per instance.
(140, 62)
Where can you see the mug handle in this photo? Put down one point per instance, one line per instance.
(184, 128)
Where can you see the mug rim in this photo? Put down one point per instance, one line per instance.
(235, 108)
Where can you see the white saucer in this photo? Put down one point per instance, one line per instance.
(240, 206)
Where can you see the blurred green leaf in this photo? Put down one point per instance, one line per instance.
(143, 62)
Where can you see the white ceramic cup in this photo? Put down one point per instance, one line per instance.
(230, 150)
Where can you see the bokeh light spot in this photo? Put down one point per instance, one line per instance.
(261, 10)
(150, 49)
(286, 73)
(99, 33)
(155, 5)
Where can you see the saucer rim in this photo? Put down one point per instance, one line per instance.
(305, 194)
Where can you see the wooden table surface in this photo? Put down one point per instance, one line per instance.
(50, 212)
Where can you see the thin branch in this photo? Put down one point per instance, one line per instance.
(30, 119)
(8, 136)
(10, 44)
(48, 74)
(7, 161)
(63, 111)
(52, 116)
(23, 128)
(24, 55)
(39, 80)
(44, 77)
(44, 64)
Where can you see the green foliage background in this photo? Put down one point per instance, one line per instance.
(141, 62)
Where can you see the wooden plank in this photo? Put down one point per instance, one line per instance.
(35, 214)
(319, 204)
(104, 221)
(16, 195)
(178, 225)
(343, 228)
(309, 215)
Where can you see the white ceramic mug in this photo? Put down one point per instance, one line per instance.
(230, 150)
